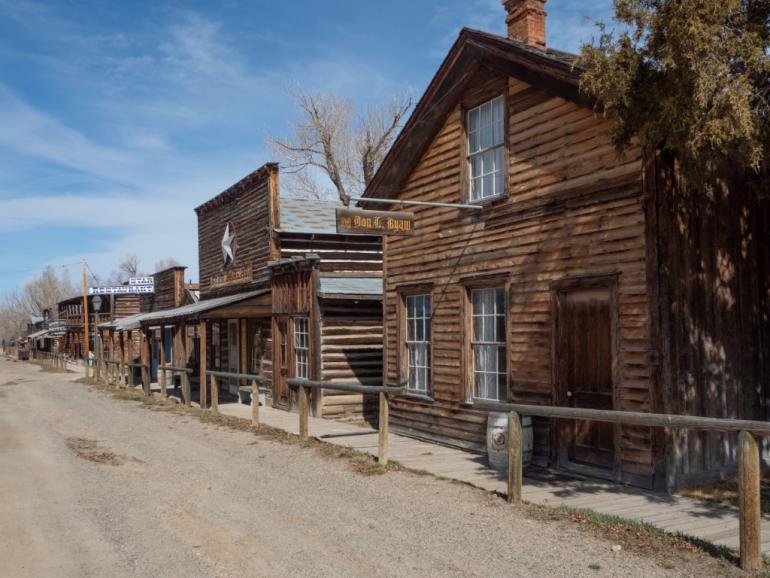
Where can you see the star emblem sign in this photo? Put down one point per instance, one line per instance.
(227, 245)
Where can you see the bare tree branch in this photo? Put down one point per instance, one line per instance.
(329, 140)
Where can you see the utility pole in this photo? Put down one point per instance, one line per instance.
(86, 334)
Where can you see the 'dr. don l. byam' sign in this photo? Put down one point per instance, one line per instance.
(358, 221)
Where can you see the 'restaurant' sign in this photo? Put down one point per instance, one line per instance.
(351, 221)
(136, 285)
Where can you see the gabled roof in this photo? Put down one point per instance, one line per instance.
(548, 69)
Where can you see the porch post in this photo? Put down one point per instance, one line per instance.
(202, 369)
(145, 360)
(162, 362)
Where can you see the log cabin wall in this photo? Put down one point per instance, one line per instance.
(351, 345)
(250, 208)
(574, 209)
(713, 253)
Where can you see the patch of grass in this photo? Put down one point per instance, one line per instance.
(634, 535)
(594, 567)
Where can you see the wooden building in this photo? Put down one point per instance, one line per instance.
(583, 279)
(276, 266)
(122, 337)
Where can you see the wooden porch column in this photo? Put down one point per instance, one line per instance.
(130, 358)
(180, 355)
(145, 360)
(111, 372)
(162, 362)
(202, 369)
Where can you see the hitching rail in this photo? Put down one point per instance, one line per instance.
(184, 373)
(384, 416)
(255, 378)
(749, 467)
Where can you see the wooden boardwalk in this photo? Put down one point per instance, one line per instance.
(713, 523)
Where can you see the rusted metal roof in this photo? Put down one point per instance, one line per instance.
(192, 310)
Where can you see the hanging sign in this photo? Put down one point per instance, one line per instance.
(122, 290)
(358, 221)
(141, 281)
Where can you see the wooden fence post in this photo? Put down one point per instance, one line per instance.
(254, 402)
(382, 452)
(144, 355)
(748, 480)
(130, 369)
(514, 458)
(303, 413)
(214, 395)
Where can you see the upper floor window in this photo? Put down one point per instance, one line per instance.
(486, 158)
(418, 341)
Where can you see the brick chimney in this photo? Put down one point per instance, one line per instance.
(526, 21)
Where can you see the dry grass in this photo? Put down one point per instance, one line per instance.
(639, 537)
(726, 493)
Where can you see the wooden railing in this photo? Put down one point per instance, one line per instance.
(255, 379)
(184, 372)
(49, 359)
(749, 466)
(303, 385)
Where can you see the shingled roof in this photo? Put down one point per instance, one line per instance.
(551, 70)
(308, 216)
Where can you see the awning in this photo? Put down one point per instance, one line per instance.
(200, 309)
(38, 334)
(351, 287)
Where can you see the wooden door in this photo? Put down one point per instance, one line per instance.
(585, 355)
(281, 391)
(233, 353)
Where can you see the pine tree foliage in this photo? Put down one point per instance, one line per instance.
(687, 76)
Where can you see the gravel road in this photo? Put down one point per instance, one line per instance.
(95, 486)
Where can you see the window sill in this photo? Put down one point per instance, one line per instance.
(419, 396)
(472, 403)
(489, 201)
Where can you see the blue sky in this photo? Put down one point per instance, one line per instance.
(118, 118)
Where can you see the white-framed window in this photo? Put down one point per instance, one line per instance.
(418, 341)
(486, 149)
(301, 348)
(488, 343)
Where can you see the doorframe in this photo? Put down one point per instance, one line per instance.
(560, 430)
(237, 368)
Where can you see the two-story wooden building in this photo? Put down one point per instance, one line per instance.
(584, 278)
(281, 294)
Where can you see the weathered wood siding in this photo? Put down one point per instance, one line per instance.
(351, 345)
(714, 283)
(248, 207)
(574, 208)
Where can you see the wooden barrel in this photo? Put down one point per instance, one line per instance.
(497, 440)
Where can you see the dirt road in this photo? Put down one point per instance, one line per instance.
(94, 486)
